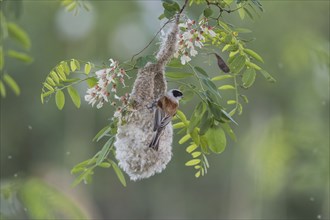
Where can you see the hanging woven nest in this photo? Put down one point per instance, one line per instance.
(135, 129)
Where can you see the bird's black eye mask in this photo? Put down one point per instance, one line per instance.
(177, 93)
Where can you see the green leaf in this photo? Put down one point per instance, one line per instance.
(258, 4)
(241, 11)
(218, 78)
(83, 177)
(231, 102)
(141, 62)
(193, 162)
(229, 116)
(71, 80)
(18, 34)
(171, 7)
(215, 110)
(267, 76)
(249, 77)
(184, 139)
(245, 99)
(253, 65)
(91, 82)
(242, 30)
(104, 165)
(206, 123)
(55, 77)
(102, 133)
(74, 96)
(228, 2)
(2, 89)
(196, 154)
(59, 99)
(182, 116)
(71, 6)
(191, 148)
(104, 152)
(197, 174)
(196, 116)
(49, 87)
(162, 16)
(77, 64)
(169, 14)
(88, 68)
(178, 75)
(82, 165)
(201, 71)
(65, 67)
(248, 13)
(151, 58)
(175, 63)
(226, 87)
(195, 136)
(229, 131)
(253, 54)
(60, 73)
(208, 12)
(50, 81)
(216, 139)
(45, 94)
(237, 64)
(19, 56)
(118, 172)
(2, 58)
(12, 84)
(178, 125)
(212, 88)
(73, 65)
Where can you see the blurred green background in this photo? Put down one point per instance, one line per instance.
(278, 168)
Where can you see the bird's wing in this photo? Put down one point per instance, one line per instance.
(161, 119)
(165, 121)
(159, 115)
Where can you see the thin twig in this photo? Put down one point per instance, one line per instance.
(180, 12)
(223, 9)
(183, 7)
(151, 40)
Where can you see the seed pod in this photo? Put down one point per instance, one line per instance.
(221, 63)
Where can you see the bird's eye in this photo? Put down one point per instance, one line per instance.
(177, 93)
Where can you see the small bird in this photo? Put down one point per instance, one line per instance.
(166, 109)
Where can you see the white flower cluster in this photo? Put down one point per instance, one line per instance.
(192, 35)
(99, 93)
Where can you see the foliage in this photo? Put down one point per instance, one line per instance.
(74, 5)
(211, 122)
(11, 31)
(34, 199)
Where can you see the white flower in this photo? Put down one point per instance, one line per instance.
(185, 59)
(176, 54)
(193, 52)
(99, 105)
(113, 63)
(111, 78)
(189, 44)
(198, 43)
(212, 33)
(200, 36)
(102, 73)
(183, 25)
(117, 114)
(187, 35)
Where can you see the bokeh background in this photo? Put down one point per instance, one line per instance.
(278, 168)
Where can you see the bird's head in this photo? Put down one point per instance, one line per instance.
(175, 93)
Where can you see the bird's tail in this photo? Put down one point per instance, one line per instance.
(155, 140)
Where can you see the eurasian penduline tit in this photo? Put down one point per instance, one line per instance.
(166, 109)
